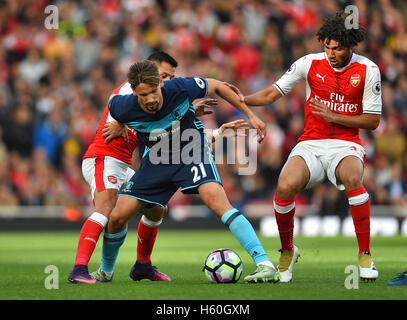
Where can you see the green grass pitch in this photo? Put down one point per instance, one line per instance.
(319, 273)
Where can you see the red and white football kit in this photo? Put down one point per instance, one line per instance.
(351, 90)
(106, 166)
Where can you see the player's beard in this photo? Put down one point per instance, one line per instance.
(152, 106)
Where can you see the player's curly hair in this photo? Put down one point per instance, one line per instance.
(335, 29)
(144, 71)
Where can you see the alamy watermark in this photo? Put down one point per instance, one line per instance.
(52, 19)
(352, 281)
(51, 281)
(190, 147)
(352, 20)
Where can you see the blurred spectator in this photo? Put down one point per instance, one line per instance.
(396, 186)
(245, 58)
(18, 131)
(51, 133)
(33, 68)
(392, 142)
(3, 149)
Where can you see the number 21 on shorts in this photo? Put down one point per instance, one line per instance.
(196, 173)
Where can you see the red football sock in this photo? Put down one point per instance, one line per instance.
(359, 205)
(88, 238)
(284, 210)
(145, 241)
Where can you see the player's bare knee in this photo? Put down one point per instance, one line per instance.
(161, 213)
(164, 212)
(286, 189)
(156, 214)
(105, 201)
(105, 208)
(116, 223)
(352, 183)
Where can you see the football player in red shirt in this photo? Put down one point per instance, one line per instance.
(343, 94)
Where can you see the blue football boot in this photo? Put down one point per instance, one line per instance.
(400, 280)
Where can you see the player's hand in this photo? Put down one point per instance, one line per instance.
(260, 126)
(237, 128)
(236, 90)
(321, 109)
(204, 106)
(114, 130)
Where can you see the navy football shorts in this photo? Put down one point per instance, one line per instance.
(157, 183)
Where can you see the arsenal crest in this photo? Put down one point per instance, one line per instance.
(112, 179)
(355, 80)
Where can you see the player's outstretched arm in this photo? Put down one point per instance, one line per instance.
(225, 92)
(263, 97)
(236, 90)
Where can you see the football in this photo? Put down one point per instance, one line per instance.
(223, 266)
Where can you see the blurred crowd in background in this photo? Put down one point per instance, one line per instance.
(54, 85)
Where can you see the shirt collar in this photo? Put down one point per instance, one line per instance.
(343, 68)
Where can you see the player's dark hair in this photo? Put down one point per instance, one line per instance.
(145, 71)
(335, 29)
(161, 56)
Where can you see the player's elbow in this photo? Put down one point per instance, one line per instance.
(370, 121)
(271, 95)
(374, 123)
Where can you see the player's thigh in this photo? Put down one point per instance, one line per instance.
(349, 172)
(104, 201)
(102, 173)
(294, 177)
(303, 170)
(214, 197)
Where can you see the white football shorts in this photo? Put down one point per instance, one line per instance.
(105, 172)
(323, 156)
